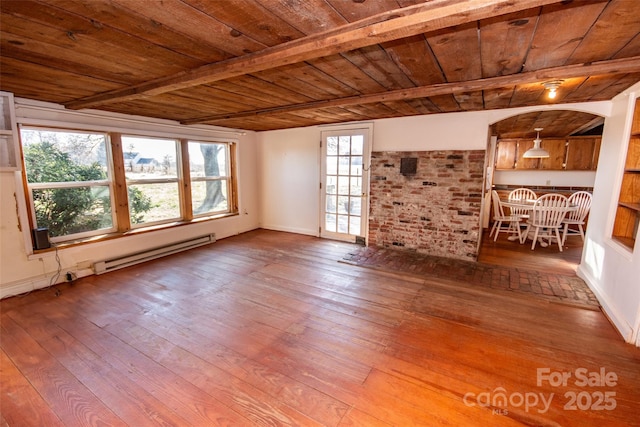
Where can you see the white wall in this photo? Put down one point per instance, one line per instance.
(545, 178)
(612, 270)
(290, 179)
(21, 271)
(290, 159)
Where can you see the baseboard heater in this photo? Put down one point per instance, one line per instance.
(105, 266)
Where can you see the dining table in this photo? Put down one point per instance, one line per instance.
(527, 206)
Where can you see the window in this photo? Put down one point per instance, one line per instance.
(68, 180)
(208, 166)
(151, 170)
(75, 185)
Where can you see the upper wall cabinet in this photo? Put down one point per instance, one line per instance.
(625, 226)
(9, 150)
(573, 153)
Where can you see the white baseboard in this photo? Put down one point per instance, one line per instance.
(41, 282)
(291, 230)
(625, 330)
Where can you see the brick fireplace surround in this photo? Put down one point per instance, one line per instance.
(435, 211)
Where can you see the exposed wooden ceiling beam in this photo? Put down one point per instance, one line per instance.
(391, 25)
(597, 121)
(615, 66)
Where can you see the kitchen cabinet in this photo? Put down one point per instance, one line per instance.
(582, 154)
(557, 148)
(506, 151)
(570, 154)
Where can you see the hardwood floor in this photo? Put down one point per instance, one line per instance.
(513, 254)
(267, 328)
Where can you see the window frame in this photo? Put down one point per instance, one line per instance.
(108, 182)
(227, 177)
(149, 181)
(118, 188)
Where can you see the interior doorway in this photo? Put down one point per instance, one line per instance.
(572, 139)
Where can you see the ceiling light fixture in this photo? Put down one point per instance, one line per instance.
(552, 87)
(536, 152)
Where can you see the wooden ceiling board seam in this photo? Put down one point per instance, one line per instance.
(353, 11)
(630, 49)
(262, 88)
(250, 18)
(85, 34)
(235, 89)
(505, 42)
(452, 47)
(209, 99)
(598, 41)
(415, 59)
(197, 25)
(497, 98)
(623, 82)
(404, 108)
(125, 20)
(124, 77)
(291, 78)
(375, 62)
(329, 115)
(56, 44)
(558, 32)
(469, 101)
(330, 83)
(49, 78)
(427, 104)
(589, 86)
(297, 89)
(349, 74)
(309, 15)
(445, 103)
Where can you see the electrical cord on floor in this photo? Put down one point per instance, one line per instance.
(56, 276)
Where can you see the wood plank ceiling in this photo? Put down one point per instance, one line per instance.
(274, 64)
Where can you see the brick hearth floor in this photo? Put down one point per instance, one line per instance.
(555, 287)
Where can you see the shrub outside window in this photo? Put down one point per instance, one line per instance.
(68, 179)
(74, 184)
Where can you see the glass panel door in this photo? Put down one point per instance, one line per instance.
(345, 184)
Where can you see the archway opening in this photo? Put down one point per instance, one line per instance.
(572, 139)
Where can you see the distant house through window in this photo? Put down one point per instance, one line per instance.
(151, 170)
(72, 178)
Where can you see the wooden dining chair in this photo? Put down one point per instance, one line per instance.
(522, 194)
(499, 218)
(546, 218)
(581, 199)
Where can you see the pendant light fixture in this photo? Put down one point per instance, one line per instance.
(536, 152)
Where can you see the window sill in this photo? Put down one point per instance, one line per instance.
(37, 254)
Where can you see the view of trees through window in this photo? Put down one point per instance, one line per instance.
(151, 169)
(71, 184)
(209, 176)
(68, 177)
